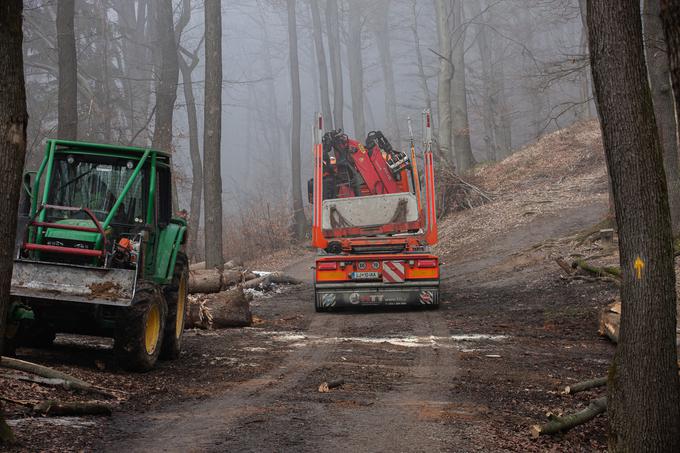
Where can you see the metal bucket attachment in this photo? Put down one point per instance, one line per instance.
(52, 281)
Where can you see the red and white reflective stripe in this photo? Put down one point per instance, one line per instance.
(394, 271)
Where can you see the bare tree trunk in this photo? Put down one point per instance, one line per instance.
(321, 62)
(488, 101)
(643, 392)
(333, 25)
(503, 123)
(382, 39)
(300, 221)
(459, 106)
(13, 121)
(443, 9)
(419, 58)
(664, 108)
(167, 74)
(212, 135)
(356, 69)
(68, 83)
(194, 152)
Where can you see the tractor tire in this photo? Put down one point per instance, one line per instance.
(139, 331)
(176, 296)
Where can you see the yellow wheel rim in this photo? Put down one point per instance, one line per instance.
(153, 329)
(181, 303)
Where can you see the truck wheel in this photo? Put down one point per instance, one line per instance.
(139, 333)
(177, 302)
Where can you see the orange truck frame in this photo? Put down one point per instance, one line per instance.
(383, 264)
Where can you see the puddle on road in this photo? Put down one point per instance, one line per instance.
(299, 340)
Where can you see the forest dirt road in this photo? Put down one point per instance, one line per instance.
(472, 376)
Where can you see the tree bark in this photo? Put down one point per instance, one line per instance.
(67, 128)
(13, 120)
(382, 40)
(356, 69)
(299, 219)
(643, 392)
(444, 80)
(427, 97)
(664, 107)
(167, 73)
(333, 24)
(488, 99)
(321, 63)
(186, 69)
(212, 134)
(459, 107)
(195, 154)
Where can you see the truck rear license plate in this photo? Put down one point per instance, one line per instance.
(365, 275)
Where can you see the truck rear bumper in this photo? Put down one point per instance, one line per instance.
(336, 295)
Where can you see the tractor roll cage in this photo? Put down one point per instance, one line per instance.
(38, 212)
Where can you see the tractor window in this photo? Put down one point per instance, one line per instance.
(96, 185)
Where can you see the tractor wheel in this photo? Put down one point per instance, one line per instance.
(177, 300)
(139, 332)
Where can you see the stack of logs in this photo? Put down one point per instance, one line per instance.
(217, 297)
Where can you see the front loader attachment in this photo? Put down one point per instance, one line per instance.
(73, 283)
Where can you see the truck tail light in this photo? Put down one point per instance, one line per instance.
(426, 263)
(327, 265)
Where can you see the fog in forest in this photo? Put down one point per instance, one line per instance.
(516, 70)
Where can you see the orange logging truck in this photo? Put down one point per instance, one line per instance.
(372, 226)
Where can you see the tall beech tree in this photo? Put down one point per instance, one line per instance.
(643, 394)
(13, 121)
(67, 127)
(299, 219)
(212, 135)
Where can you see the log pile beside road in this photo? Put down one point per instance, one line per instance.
(221, 298)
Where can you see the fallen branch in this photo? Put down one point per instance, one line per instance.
(70, 382)
(56, 408)
(585, 385)
(326, 387)
(565, 423)
(564, 265)
(597, 271)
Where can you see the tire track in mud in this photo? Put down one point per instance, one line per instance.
(394, 399)
(200, 425)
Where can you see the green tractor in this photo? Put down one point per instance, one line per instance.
(99, 252)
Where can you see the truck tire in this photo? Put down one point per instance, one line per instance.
(139, 331)
(176, 296)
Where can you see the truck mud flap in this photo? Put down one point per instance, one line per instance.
(63, 282)
(421, 296)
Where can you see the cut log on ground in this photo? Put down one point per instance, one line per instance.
(565, 423)
(610, 319)
(231, 278)
(564, 265)
(585, 385)
(326, 387)
(198, 315)
(71, 382)
(205, 281)
(58, 408)
(220, 310)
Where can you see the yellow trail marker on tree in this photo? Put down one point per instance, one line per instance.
(639, 265)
